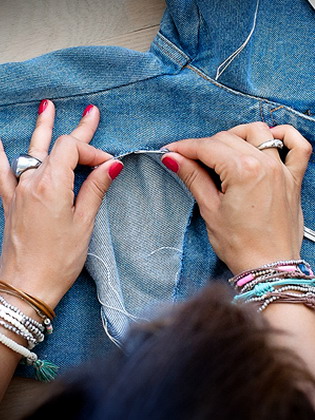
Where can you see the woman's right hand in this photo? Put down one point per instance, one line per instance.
(256, 218)
(47, 232)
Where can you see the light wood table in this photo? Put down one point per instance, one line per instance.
(34, 27)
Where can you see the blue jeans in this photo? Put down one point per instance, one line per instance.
(213, 65)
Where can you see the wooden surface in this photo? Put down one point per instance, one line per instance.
(33, 27)
(29, 28)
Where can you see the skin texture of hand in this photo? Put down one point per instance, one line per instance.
(47, 232)
(256, 218)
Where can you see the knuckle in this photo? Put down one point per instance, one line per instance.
(190, 178)
(86, 125)
(86, 218)
(204, 205)
(259, 125)
(250, 165)
(220, 136)
(23, 188)
(37, 152)
(43, 185)
(64, 140)
(306, 149)
(98, 189)
(288, 127)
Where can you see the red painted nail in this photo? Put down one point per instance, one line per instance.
(171, 164)
(115, 169)
(87, 110)
(42, 106)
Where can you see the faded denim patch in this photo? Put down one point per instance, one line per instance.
(136, 249)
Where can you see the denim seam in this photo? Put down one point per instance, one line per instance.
(271, 111)
(261, 112)
(171, 50)
(90, 93)
(196, 70)
(245, 95)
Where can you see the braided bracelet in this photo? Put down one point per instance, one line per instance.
(263, 288)
(276, 282)
(297, 266)
(271, 276)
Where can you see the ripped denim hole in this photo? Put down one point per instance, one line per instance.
(136, 249)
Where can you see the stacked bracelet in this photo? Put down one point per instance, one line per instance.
(33, 301)
(14, 320)
(277, 281)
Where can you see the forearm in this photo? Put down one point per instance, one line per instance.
(297, 322)
(8, 358)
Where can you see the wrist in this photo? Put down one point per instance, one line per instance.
(32, 286)
(251, 262)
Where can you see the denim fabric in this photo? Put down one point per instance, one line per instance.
(149, 245)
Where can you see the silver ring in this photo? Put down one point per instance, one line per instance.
(270, 144)
(24, 162)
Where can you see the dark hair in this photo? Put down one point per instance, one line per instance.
(208, 359)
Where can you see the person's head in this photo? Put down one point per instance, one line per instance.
(206, 359)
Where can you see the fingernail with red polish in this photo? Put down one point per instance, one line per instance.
(42, 106)
(115, 169)
(87, 110)
(171, 164)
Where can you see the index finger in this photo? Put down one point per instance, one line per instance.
(300, 149)
(87, 125)
(68, 152)
(210, 151)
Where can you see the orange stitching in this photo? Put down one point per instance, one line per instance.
(275, 109)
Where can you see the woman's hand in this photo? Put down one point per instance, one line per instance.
(46, 233)
(256, 218)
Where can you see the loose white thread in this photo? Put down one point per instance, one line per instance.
(165, 247)
(229, 60)
(104, 322)
(123, 310)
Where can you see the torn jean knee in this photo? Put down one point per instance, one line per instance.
(136, 248)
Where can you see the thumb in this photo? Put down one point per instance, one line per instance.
(95, 186)
(195, 177)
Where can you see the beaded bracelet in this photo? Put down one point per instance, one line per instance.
(270, 276)
(14, 320)
(26, 321)
(263, 288)
(276, 282)
(33, 332)
(46, 325)
(296, 266)
(304, 299)
(28, 337)
(307, 298)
